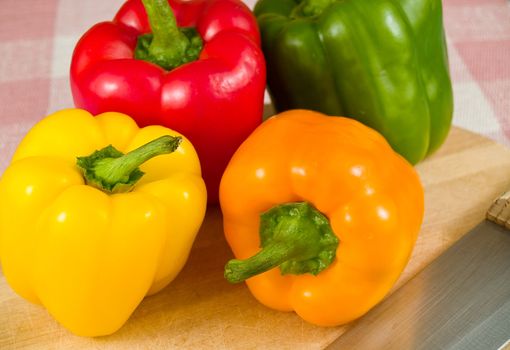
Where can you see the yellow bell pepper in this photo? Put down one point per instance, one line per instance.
(89, 239)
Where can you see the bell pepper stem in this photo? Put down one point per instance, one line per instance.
(111, 171)
(270, 257)
(114, 170)
(168, 45)
(310, 8)
(294, 236)
(164, 27)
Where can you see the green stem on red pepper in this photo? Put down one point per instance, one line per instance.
(168, 46)
(112, 171)
(294, 236)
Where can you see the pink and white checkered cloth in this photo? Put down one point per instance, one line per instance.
(37, 38)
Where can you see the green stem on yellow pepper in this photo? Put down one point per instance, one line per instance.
(112, 171)
(168, 46)
(294, 236)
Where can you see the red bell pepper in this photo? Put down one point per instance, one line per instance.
(206, 81)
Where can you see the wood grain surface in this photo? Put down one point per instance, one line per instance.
(199, 310)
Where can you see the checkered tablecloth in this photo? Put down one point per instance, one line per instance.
(37, 38)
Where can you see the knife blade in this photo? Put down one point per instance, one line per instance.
(461, 301)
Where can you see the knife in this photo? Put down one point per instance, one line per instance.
(461, 301)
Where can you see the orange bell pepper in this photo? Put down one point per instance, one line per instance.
(338, 212)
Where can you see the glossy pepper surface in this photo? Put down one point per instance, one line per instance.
(196, 67)
(90, 238)
(381, 62)
(321, 214)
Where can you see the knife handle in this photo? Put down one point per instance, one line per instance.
(499, 212)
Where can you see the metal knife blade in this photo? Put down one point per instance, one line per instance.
(461, 301)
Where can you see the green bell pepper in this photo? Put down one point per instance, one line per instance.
(382, 62)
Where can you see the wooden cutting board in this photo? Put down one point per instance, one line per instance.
(199, 310)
